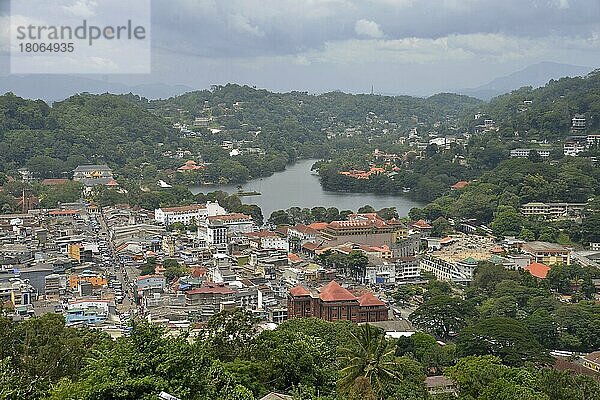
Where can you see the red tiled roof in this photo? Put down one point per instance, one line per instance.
(304, 229)
(318, 226)
(334, 292)
(460, 185)
(112, 182)
(190, 166)
(51, 181)
(562, 364)
(210, 289)
(447, 239)
(369, 299)
(283, 229)
(421, 224)
(538, 270)
(299, 290)
(63, 212)
(310, 246)
(198, 272)
(230, 217)
(294, 258)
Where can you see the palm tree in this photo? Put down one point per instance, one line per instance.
(370, 358)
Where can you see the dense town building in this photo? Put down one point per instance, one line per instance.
(188, 214)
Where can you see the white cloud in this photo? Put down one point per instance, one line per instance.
(4, 33)
(475, 47)
(82, 8)
(562, 4)
(364, 27)
(242, 24)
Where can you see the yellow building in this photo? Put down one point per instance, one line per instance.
(74, 252)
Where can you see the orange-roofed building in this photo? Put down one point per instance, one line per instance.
(190, 165)
(54, 181)
(335, 303)
(368, 299)
(334, 292)
(318, 226)
(422, 227)
(538, 270)
(299, 291)
(294, 258)
(460, 185)
(63, 213)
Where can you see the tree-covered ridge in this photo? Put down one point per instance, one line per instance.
(496, 197)
(303, 125)
(260, 107)
(545, 113)
(135, 137)
(82, 129)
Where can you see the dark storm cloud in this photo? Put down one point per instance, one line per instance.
(250, 28)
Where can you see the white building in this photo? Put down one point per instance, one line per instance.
(578, 122)
(267, 240)
(216, 230)
(188, 214)
(449, 270)
(103, 306)
(302, 234)
(593, 139)
(382, 273)
(552, 210)
(407, 269)
(573, 148)
(544, 153)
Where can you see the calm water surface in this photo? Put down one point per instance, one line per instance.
(297, 186)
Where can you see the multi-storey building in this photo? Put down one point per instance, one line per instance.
(593, 140)
(573, 148)
(267, 240)
(448, 269)
(103, 173)
(552, 210)
(521, 153)
(368, 228)
(578, 122)
(188, 214)
(547, 253)
(216, 230)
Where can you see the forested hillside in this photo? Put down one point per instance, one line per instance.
(83, 129)
(132, 135)
(546, 112)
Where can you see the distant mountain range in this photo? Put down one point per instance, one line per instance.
(58, 87)
(52, 88)
(535, 75)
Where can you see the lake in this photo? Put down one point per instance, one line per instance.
(297, 186)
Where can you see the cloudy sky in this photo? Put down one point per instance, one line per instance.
(399, 46)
